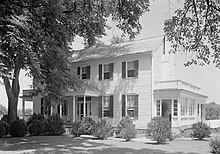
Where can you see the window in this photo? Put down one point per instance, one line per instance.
(130, 69)
(184, 107)
(106, 72)
(158, 107)
(175, 108)
(130, 105)
(198, 109)
(191, 107)
(106, 106)
(83, 72)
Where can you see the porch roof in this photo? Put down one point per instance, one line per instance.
(84, 89)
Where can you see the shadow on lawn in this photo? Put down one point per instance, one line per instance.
(65, 144)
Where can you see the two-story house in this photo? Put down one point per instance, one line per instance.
(134, 78)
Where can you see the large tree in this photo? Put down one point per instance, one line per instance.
(35, 36)
(195, 29)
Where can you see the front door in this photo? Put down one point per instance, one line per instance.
(80, 108)
(166, 108)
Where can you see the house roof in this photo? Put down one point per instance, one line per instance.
(116, 50)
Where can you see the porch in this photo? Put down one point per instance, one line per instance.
(179, 101)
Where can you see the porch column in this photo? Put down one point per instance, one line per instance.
(61, 110)
(23, 108)
(74, 108)
(84, 106)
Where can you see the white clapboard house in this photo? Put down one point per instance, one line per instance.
(134, 78)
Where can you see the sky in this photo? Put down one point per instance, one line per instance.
(206, 77)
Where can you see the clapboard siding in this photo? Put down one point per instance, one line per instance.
(118, 86)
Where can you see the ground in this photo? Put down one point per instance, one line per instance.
(86, 144)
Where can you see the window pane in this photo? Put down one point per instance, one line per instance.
(158, 107)
(106, 102)
(107, 75)
(130, 73)
(106, 113)
(130, 113)
(130, 101)
(130, 65)
(106, 68)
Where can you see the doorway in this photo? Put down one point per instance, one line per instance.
(80, 108)
(166, 108)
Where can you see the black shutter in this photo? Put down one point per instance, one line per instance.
(111, 111)
(136, 66)
(58, 109)
(111, 65)
(78, 70)
(100, 72)
(88, 72)
(136, 107)
(123, 105)
(42, 106)
(100, 107)
(123, 70)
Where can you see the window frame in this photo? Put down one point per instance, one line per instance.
(104, 109)
(175, 107)
(84, 72)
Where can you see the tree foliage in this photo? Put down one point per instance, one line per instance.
(212, 111)
(35, 36)
(195, 28)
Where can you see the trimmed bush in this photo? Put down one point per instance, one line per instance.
(36, 128)
(159, 129)
(2, 129)
(123, 123)
(200, 131)
(54, 125)
(102, 129)
(128, 132)
(35, 117)
(87, 124)
(77, 128)
(6, 127)
(18, 128)
(215, 145)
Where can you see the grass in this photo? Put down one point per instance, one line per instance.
(86, 144)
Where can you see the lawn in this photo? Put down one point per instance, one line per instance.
(86, 144)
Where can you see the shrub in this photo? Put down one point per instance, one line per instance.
(87, 124)
(159, 129)
(123, 123)
(5, 118)
(54, 125)
(2, 129)
(77, 128)
(34, 117)
(6, 127)
(215, 145)
(18, 128)
(200, 131)
(36, 128)
(128, 132)
(102, 129)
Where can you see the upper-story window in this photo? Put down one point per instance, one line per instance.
(83, 72)
(106, 71)
(130, 69)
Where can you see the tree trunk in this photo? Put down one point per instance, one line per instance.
(12, 91)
